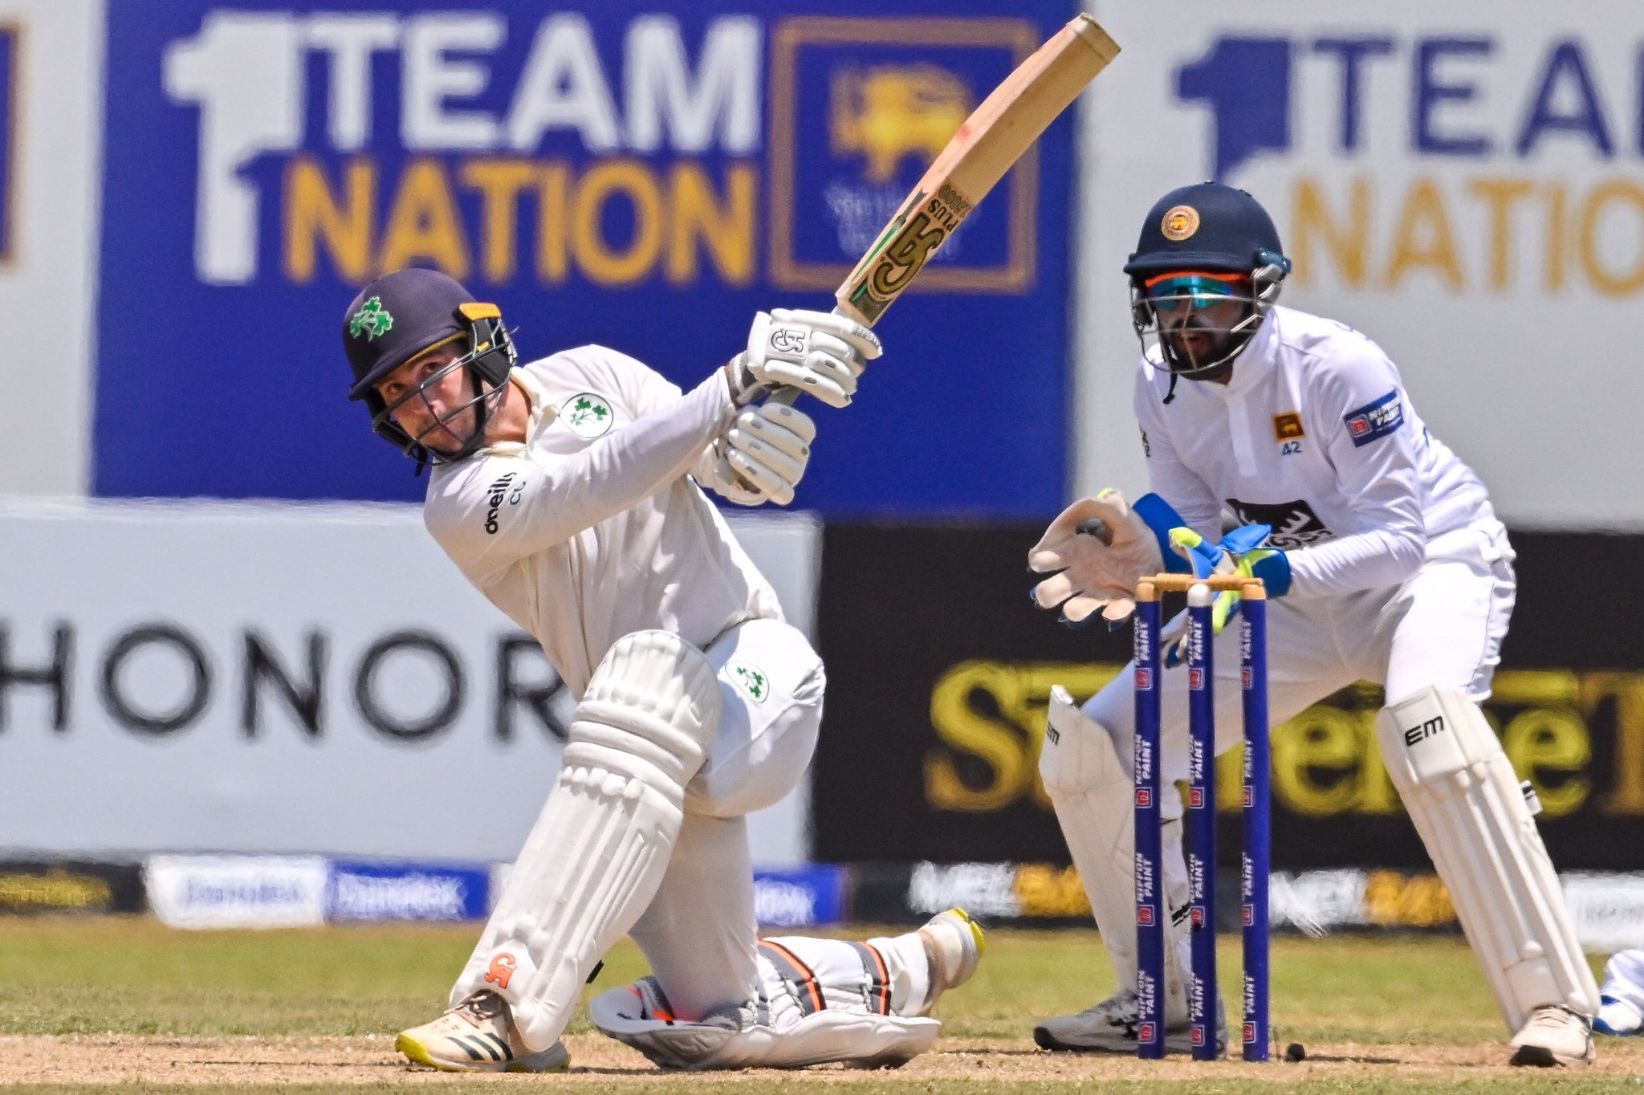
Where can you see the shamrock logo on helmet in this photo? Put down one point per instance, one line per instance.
(371, 320)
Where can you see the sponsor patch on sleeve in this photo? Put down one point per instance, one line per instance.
(1376, 419)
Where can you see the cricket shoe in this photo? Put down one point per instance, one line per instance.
(477, 1036)
(1618, 1017)
(953, 945)
(1110, 1027)
(1554, 1036)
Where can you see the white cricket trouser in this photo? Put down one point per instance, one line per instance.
(1624, 977)
(699, 933)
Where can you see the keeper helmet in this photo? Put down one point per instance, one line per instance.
(1201, 246)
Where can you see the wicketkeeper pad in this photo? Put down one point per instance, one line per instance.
(598, 851)
(1469, 808)
(1091, 792)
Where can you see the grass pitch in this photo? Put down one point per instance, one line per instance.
(96, 1004)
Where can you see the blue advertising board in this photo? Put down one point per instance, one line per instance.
(8, 137)
(362, 890)
(645, 176)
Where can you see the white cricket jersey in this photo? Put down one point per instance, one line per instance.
(592, 528)
(1314, 435)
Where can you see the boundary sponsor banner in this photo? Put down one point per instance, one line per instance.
(936, 711)
(70, 886)
(805, 897)
(1431, 169)
(1607, 909)
(253, 678)
(644, 177)
(237, 891)
(375, 891)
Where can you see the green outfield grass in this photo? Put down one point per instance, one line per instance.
(132, 977)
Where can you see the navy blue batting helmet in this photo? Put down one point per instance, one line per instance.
(1206, 226)
(407, 313)
(397, 317)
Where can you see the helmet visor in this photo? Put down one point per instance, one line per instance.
(1178, 291)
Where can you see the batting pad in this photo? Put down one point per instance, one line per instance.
(602, 843)
(1091, 793)
(1461, 793)
(831, 1035)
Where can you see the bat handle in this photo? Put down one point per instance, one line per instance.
(787, 397)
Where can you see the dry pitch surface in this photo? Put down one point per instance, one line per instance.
(126, 1004)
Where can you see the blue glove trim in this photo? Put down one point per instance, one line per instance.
(1245, 538)
(1205, 556)
(1158, 515)
(1274, 571)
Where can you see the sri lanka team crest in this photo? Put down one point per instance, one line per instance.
(889, 94)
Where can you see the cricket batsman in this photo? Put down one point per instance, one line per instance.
(1383, 561)
(567, 491)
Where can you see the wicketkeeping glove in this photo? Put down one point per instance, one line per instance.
(1237, 553)
(1098, 549)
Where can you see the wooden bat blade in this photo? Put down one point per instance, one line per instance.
(996, 135)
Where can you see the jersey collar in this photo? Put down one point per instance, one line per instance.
(1253, 365)
(543, 414)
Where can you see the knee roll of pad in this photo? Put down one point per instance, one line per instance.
(652, 707)
(1078, 753)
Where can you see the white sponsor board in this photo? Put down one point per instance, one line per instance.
(236, 891)
(984, 889)
(281, 678)
(51, 116)
(1607, 909)
(1461, 184)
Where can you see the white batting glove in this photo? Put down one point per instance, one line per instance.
(818, 353)
(762, 455)
(1099, 549)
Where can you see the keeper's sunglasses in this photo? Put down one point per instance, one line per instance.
(1173, 292)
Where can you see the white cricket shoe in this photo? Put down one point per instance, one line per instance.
(1618, 1017)
(1554, 1036)
(953, 946)
(1110, 1027)
(477, 1036)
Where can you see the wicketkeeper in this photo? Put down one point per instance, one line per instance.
(566, 490)
(1383, 561)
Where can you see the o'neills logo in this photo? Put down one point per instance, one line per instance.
(497, 492)
(502, 968)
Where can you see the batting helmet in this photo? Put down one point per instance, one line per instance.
(407, 313)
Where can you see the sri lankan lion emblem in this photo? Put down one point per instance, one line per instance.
(1179, 222)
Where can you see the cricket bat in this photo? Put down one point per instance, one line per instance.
(987, 143)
